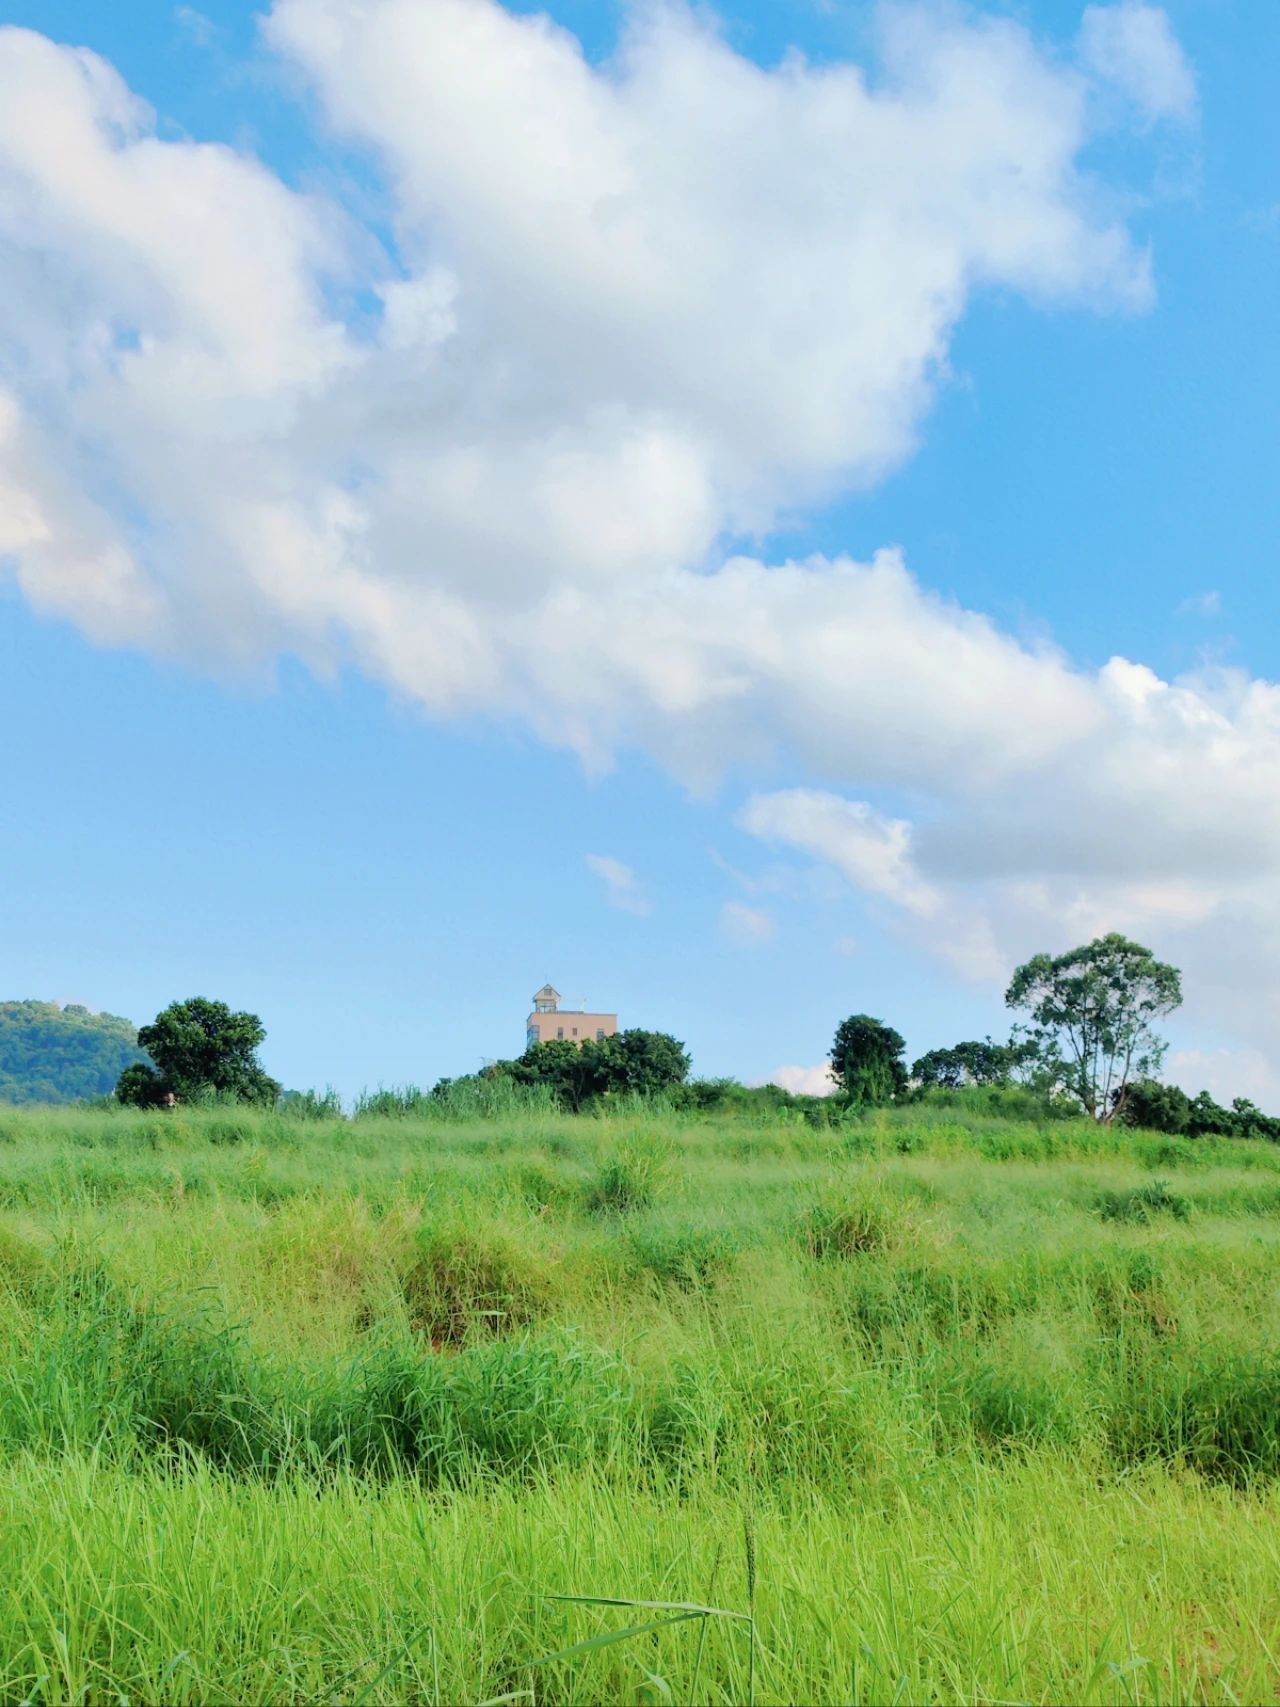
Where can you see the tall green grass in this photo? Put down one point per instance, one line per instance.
(922, 1407)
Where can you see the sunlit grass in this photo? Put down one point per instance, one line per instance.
(300, 1409)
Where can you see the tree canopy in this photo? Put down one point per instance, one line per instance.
(636, 1062)
(867, 1061)
(984, 1063)
(53, 1054)
(1092, 1014)
(199, 1048)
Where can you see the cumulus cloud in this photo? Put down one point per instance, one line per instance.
(622, 886)
(1164, 830)
(625, 311)
(490, 450)
(804, 1081)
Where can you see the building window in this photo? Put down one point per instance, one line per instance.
(575, 1031)
(600, 1034)
(560, 1031)
(531, 1036)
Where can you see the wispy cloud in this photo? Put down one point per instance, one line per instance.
(622, 886)
(1201, 604)
(746, 927)
(201, 30)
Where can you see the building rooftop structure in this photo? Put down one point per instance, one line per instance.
(549, 1022)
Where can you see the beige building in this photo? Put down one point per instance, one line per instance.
(549, 1021)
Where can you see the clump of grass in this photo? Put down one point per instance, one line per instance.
(467, 1284)
(851, 1231)
(633, 1178)
(24, 1268)
(541, 1189)
(688, 1258)
(1143, 1203)
(858, 1220)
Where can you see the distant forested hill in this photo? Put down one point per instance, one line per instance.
(53, 1054)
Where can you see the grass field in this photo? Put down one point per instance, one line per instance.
(927, 1408)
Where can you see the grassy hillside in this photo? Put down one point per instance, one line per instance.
(954, 1409)
(52, 1054)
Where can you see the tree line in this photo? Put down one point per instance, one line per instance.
(1087, 1044)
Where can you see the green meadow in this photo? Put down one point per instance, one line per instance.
(928, 1406)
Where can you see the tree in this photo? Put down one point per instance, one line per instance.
(645, 1063)
(1093, 1012)
(574, 1074)
(984, 1063)
(1156, 1107)
(866, 1060)
(200, 1047)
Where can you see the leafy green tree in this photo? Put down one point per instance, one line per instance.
(644, 1063)
(984, 1063)
(199, 1048)
(1156, 1107)
(867, 1061)
(639, 1062)
(1093, 1012)
(575, 1074)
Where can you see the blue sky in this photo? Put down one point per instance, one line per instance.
(234, 773)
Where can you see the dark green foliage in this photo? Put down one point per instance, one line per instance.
(867, 1061)
(964, 1064)
(1092, 1012)
(51, 1054)
(201, 1050)
(642, 1063)
(1143, 1202)
(1164, 1108)
(634, 1063)
(1156, 1107)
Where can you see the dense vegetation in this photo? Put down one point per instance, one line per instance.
(53, 1054)
(925, 1406)
(199, 1050)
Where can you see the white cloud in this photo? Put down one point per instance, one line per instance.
(746, 927)
(620, 320)
(624, 312)
(622, 886)
(804, 1081)
(1133, 46)
(872, 851)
